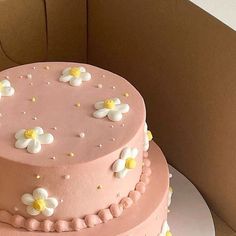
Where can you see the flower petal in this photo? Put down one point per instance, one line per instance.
(45, 138)
(51, 202)
(39, 130)
(99, 105)
(65, 78)
(7, 91)
(27, 199)
(101, 113)
(75, 81)
(123, 108)
(48, 212)
(40, 193)
(145, 127)
(134, 152)
(165, 227)
(82, 69)
(66, 71)
(20, 134)
(6, 83)
(122, 173)
(85, 76)
(116, 101)
(118, 165)
(22, 143)
(34, 146)
(115, 115)
(126, 152)
(31, 211)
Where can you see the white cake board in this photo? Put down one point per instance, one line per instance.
(189, 213)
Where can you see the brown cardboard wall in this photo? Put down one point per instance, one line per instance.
(22, 31)
(179, 57)
(183, 62)
(67, 30)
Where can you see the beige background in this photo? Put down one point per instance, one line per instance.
(180, 58)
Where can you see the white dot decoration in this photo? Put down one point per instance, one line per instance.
(67, 177)
(170, 175)
(35, 118)
(47, 67)
(31, 84)
(34, 68)
(55, 128)
(112, 126)
(16, 208)
(99, 145)
(113, 139)
(82, 135)
(99, 86)
(61, 200)
(21, 77)
(103, 76)
(29, 76)
(53, 158)
(7, 77)
(0, 114)
(38, 176)
(123, 125)
(48, 83)
(24, 112)
(113, 87)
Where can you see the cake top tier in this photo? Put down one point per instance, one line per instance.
(66, 112)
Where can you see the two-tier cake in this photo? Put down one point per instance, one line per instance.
(75, 155)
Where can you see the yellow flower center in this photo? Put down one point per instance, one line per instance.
(149, 134)
(130, 163)
(75, 72)
(109, 104)
(39, 204)
(30, 134)
(168, 233)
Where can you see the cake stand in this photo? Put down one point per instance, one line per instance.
(189, 214)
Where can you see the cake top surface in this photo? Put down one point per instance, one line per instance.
(66, 112)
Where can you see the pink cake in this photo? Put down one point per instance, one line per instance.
(74, 154)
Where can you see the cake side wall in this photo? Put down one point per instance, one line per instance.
(80, 189)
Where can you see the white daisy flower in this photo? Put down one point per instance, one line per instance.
(126, 162)
(170, 193)
(147, 137)
(75, 75)
(165, 231)
(112, 108)
(5, 88)
(39, 202)
(32, 139)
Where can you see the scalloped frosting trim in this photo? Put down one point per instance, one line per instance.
(76, 224)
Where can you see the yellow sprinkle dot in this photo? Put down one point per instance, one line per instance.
(171, 189)
(99, 187)
(130, 163)
(38, 176)
(33, 99)
(126, 94)
(168, 233)
(71, 154)
(149, 134)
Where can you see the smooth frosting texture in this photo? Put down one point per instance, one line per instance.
(76, 165)
(65, 111)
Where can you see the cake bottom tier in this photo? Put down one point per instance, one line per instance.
(145, 218)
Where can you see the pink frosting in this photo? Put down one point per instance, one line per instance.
(91, 165)
(115, 210)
